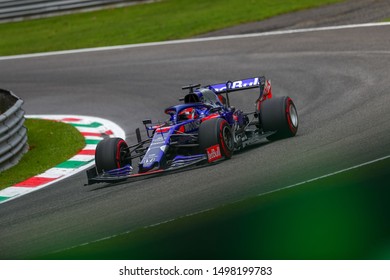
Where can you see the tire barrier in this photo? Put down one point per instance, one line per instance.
(13, 134)
(19, 9)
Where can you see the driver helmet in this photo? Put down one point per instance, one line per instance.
(188, 114)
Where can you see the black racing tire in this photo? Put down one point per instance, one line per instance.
(216, 132)
(279, 114)
(111, 153)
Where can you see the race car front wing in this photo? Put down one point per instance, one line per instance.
(126, 173)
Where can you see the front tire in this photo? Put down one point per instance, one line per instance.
(279, 114)
(111, 153)
(216, 132)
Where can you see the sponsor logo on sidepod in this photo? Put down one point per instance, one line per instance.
(214, 153)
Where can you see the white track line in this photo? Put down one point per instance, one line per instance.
(194, 40)
(327, 175)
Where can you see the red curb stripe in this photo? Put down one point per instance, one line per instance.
(91, 134)
(70, 120)
(87, 152)
(98, 134)
(35, 182)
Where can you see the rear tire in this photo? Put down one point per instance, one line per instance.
(111, 153)
(216, 132)
(279, 114)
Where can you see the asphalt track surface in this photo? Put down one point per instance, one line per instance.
(339, 80)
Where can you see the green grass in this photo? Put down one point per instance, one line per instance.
(50, 143)
(345, 216)
(163, 20)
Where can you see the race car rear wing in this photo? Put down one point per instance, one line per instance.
(249, 83)
(229, 86)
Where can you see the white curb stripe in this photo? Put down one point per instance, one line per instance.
(14, 191)
(90, 147)
(55, 172)
(93, 138)
(83, 158)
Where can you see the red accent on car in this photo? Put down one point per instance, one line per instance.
(267, 90)
(214, 153)
(267, 94)
(212, 116)
(292, 128)
(258, 105)
(181, 129)
(118, 153)
(222, 99)
(187, 114)
(163, 129)
(170, 111)
(224, 148)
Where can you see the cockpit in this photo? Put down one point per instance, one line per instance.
(189, 113)
(184, 112)
(197, 103)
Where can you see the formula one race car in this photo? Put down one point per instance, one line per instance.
(203, 129)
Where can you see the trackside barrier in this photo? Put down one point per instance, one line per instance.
(13, 134)
(19, 9)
